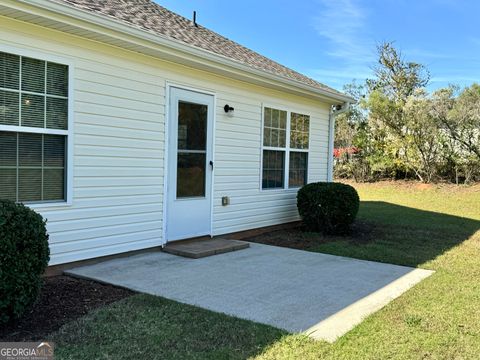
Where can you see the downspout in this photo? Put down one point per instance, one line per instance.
(334, 111)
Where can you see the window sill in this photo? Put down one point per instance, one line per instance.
(60, 204)
(287, 190)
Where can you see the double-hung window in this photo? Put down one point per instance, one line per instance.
(33, 129)
(285, 149)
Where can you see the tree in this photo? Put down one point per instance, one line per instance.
(422, 136)
(462, 121)
(395, 96)
(458, 117)
(346, 124)
(398, 128)
(396, 78)
(347, 128)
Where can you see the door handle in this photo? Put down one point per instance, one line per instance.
(211, 164)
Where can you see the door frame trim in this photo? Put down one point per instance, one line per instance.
(168, 86)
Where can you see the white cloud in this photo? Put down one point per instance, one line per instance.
(344, 23)
(350, 43)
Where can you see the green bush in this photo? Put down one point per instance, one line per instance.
(328, 207)
(24, 255)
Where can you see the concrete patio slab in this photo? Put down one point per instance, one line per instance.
(322, 295)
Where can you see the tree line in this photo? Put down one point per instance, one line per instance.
(397, 129)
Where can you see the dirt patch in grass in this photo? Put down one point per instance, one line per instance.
(361, 232)
(61, 300)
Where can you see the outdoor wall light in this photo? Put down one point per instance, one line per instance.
(228, 109)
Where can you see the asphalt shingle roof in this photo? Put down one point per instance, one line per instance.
(148, 15)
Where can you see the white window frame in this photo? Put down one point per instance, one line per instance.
(39, 55)
(287, 149)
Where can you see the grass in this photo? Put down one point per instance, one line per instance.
(149, 327)
(429, 227)
(414, 224)
(436, 228)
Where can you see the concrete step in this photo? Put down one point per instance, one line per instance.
(199, 248)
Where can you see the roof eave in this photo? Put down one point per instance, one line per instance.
(155, 43)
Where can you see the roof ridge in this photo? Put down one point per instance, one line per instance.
(150, 16)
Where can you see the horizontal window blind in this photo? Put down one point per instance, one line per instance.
(9, 108)
(9, 71)
(32, 167)
(33, 94)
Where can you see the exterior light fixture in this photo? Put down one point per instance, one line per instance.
(228, 109)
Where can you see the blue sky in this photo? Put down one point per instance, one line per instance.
(333, 41)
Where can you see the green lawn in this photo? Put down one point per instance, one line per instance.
(149, 327)
(435, 227)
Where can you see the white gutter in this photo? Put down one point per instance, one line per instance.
(334, 111)
(119, 30)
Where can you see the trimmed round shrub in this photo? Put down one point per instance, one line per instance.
(24, 255)
(328, 207)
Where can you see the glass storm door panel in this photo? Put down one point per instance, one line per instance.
(190, 164)
(192, 149)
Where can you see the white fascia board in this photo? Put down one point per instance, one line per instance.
(165, 47)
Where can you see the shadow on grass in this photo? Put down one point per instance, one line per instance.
(149, 327)
(404, 235)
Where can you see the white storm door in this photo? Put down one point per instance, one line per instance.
(190, 164)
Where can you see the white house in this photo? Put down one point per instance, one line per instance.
(128, 126)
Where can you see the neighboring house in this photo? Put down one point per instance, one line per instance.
(114, 125)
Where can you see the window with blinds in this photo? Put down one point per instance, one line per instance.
(33, 129)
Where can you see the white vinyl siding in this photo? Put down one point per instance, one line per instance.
(238, 163)
(119, 147)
